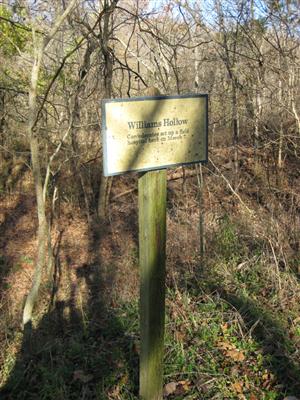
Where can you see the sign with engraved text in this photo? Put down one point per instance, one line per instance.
(145, 133)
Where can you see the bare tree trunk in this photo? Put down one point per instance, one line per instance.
(257, 113)
(39, 49)
(105, 186)
(292, 97)
(2, 124)
(2, 118)
(280, 141)
(235, 133)
(81, 183)
(36, 171)
(229, 57)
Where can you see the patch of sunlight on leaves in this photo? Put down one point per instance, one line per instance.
(7, 367)
(10, 357)
(207, 346)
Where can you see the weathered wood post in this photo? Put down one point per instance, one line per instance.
(152, 250)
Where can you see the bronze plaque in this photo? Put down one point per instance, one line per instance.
(145, 133)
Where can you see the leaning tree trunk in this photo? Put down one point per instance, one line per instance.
(36, 171)
(33, 137)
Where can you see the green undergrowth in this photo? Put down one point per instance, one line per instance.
(227, 348)
(216, 347)
(232, 332)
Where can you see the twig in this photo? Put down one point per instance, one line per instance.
(123, 194)
(276, 264)
(231, 188)
(173, 177)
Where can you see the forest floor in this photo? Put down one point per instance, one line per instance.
(233, 314)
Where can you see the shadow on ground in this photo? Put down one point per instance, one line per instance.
(76, 352)
(273, 338)
(268, 331)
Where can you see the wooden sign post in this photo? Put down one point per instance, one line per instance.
(152, 251)
(150, 134)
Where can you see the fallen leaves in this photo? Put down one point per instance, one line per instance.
(170, 388)
(230, 350)
(176, 388)
(237, 387)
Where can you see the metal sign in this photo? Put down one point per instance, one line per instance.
(146, 133)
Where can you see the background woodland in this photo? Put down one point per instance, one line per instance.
(68, 236)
